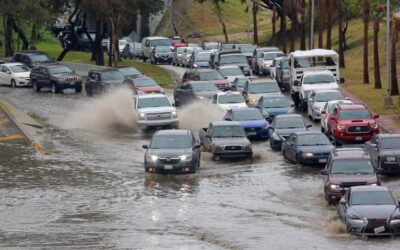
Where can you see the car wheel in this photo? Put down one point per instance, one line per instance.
(89, 91)
(54, 88)
(297, 159)
(323, 130)
(216, 157)
(35, 86)
(13, 84)
(78, 89)
(337, 142)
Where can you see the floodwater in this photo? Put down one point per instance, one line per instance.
(92, 192)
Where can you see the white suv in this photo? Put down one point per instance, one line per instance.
(229, 100)
(155, 110)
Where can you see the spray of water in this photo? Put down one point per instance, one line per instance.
(335, 225)
(113, 110)
(198, 115)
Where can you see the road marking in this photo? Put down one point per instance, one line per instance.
(11, 138)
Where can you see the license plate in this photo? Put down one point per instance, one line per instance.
(322, 160)
(168, 167)
(379, 230)
(252, 133)
(359, 138)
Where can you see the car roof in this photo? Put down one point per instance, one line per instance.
(172, 132)
(352, 107)
(156, 37)
(228, 67)
(12, 64)
(229, 93)
(317, 72)
(244, 109)
(326, 91)
(368, 188)
(225, 123)
(288, 116)
(350, 153)
(384, 136)
(150, 96)
(308, 133)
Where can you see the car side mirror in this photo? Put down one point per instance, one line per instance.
(228, 119)
(342, 201)
(376, 116)
(323, 112)
(342, 80)
(296, 83)
(145, 146)
(173, 105)
(308, 126)
(8, 72)
(196, 146)
(324, 172)
(292, 105)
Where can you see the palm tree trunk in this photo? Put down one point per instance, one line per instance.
(365, 52)
(377, 72)
(309, 22)
(321, 14)
(330, 9)
(395, 36)
(33, 37)
(274, 26)
(293, 27)
(303, 26)
(255, 26)
(283, 30)
(341, 33)
(221, 20)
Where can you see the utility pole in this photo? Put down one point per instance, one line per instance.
(248, 20)
(388, 99)
(312, 25)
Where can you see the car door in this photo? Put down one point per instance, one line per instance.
(331, 120)
(311, 103)
(182, 94)
(245, 91)
(207, 139)
(46, 77)
(260, 105)
(3, 74)
(372, 147)
(196, 151)
(292, 147)
(325, 178)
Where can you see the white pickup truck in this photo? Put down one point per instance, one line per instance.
(155, 110)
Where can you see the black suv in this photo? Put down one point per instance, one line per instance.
(103, 81)
(55, 76)
(161, 54)
(347, 167)
(32, 58)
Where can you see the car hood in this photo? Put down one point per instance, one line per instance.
(374, 211)
(319, 105)
(338, 179)
(223, 81)
(207, 94)
(201, 64)
(149, 89)
(321, 86)
(229, 106)
(22, 74)
(231, 141)
(277, 111)
(113, 82)
(316, 149)
(61, 75)
(251, 124)
(174, 153)
(156, 110)
(356, 122)
(163, 54)
(258, 95)
(288, 131)
(389, 152)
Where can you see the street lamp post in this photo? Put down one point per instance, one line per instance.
(312, 25)
(388, 98)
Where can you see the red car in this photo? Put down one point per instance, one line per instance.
(146, 85)
(208, 75)
(352, 124)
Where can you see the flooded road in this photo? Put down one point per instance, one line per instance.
(92, 193)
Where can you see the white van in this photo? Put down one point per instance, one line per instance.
(148, 43)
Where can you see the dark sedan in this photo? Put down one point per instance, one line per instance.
(103, 81)
(172, 151)
(272, 105)
(385, 152)
(188, 92)
(307, 147)
(282, 126)
(370, 211)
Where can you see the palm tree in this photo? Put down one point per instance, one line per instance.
(365, 54)
(341, 33)
(274, 18)
(218, 10)
(283, 29)
(255, 26)
(330, 5)
(377, 18)
(320, 14)
(395, 38)
(303, 25)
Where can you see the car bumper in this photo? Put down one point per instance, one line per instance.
(163, 60)
(234, 155)
(346, 138)
(179, 168)
(262, 134)
(68, 85)
(367, 229)
(21, 83)
(334, 196)
(169, 122)
(314, 160)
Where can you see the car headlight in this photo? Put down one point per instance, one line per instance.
(174, 114)
(307, 154)
(374, 126)
(253, 100)
(373, 184)
(195, 65)
(395, 219)
(341, 127)
(334, 187)
(317, 109)
(390, 159)
(356, 218)
(200, 97)
(265, 113)
(153, 158)
(276, 137)
(142, 116)
(185, 157)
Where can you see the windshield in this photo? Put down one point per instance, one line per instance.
(204, 87)
(233, 59)
(40, 58)
(255, 88)
(247, 115)
(227, 99)
(112, 75)
(352, 167)
(318, 79)
(211, 46)
(231, 72)
(247, 48)
(228, 131)
(272, 55)
(144, 82)
(390, 143)
(372, 198)
(153, 102)
(276, 102)
(202, 57)
(170, 142)
(163, 49)
(180, 50)
(122, 42)
(161, 42)
(19, 68)
(356, 114)
(240, 82)
(130, 72)
(59, 69)
(302, 63)
(327, 96)
(211, 75)
(290, 122)
(313, 140)
(285, 64)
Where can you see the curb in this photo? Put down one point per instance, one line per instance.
(30, 128)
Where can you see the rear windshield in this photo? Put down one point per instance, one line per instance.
(352, 167)
(272, 55)
(112, 75)
(228, 131)
(356, 114)
(40, 58)
(211, 75)
(202, 57)
(313, 140)
(256, 88)
(248, 115)
(163, 49)
(390, 143)
(59, 69)
(161, 42)
(328, 96)
(228, 99)
(145, 82)
(290, 122)
(276, 102)
(19, 68)
(372, 198)
(231, 72)
(130, 72)
(170, 142)
(233, 59)
(204, 87)
(318, 79)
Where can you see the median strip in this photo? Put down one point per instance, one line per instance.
(11, 138)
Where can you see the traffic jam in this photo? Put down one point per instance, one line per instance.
(290, 104)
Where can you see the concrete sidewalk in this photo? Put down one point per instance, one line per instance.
(19, 125)
(388, 123)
